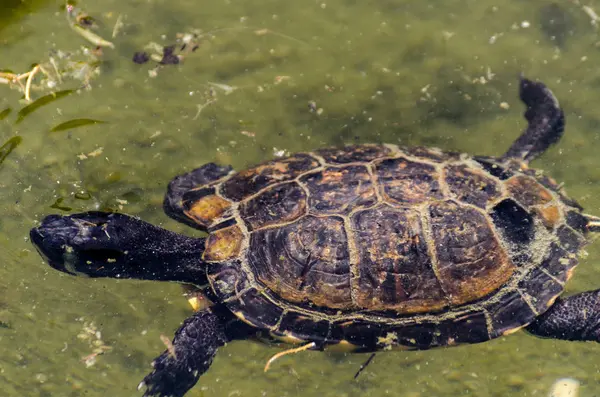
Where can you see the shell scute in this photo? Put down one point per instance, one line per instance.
(255, 309)
(471, 263)
(395, 272)
(540, 289)
(431, 154)
(376, 247)
(281, 204)
(227, 279)
(223, 244)
(339, 190)
(527, 191)
(304, 261)
(471, 186)
(468, 328)
(354, 153)
(407, 182)
(249, 182)
(559, 263)
(204, 207)
(305, 327)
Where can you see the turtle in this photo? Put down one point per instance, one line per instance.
(361, 248)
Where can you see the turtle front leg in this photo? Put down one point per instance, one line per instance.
(191, 353)
(574, 318)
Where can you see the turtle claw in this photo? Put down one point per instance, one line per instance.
(190, 355)
(169, 378)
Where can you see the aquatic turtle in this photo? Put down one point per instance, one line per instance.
(364, 247)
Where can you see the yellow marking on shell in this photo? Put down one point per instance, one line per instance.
(388, 341)
(552, 300)
(527, 191)
(342, 347)
(208, 208)
(223, 244)
(513, 330)
(287, 338)
(570, 273)
(550, 215)
(241, 316)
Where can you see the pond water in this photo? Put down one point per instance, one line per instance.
(267, 78)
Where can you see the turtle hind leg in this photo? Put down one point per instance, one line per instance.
(575, 318)
(191, 353)
(546, 122)
(174, 202)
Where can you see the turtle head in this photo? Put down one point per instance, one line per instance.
(100, 244)
(83, 244)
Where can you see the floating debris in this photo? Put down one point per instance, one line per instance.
(80, 22)
(58, 205)
(281, 79)
(38, 103)
(95, 153)
(9, 146)
(141, 57)
(227, 89)
(118, 26)
(91, 36)
(592, 14)
(93, 336)
(169, 57)
(364, 365)
(249, 134)
(75, 123)
(201, 107)
(5, 113)
(308, 346)
(565, 387)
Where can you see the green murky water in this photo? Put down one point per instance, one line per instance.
(438, 73)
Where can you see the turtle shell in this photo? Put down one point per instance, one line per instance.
(375, 246)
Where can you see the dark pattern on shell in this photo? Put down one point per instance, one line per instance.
(539, 288)
(394, 267)
(494, 167)
(527, 191)
(280, 204)
(515, 225)
(407, 182)
(431, 154)
(339, 190)
(470, 261)
(353, 153)
(251, 181)
(509, 313)
(471, 186)
(304, 261)
(256, 309)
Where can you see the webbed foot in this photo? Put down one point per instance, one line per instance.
(576, 318)
(178, 368)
